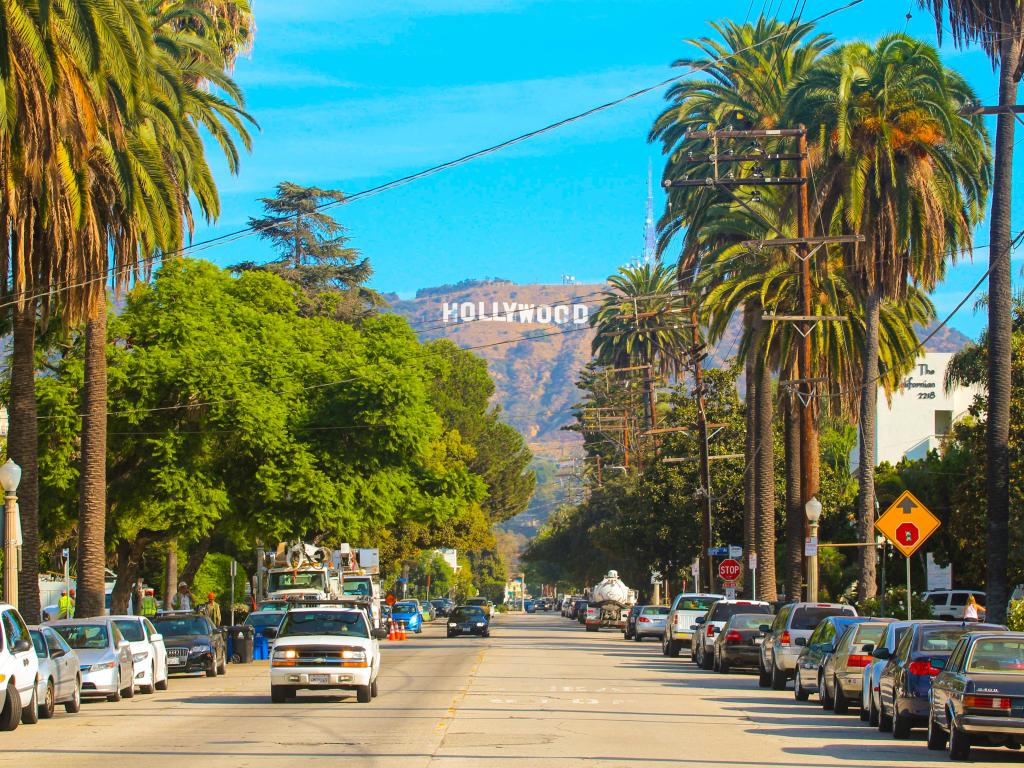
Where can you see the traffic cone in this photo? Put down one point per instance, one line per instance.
(392, 632)
(401, 631)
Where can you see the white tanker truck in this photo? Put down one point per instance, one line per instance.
(609, 603)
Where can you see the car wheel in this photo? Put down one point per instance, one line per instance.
(884, 720)
(673, 649)
(715, 663)
(764, 679)
(798, 690)
(278, 694)
(151, 688)
(211, 671)
(638, 637)
(705, 662)
(373, 688)
(778, 678)
(872, 712)
(116, 695)
(862, 714)
(840, 704)
(161, 685)
(10, 716)
(72, 707)
(723, 666)
(363, 694)
(592, 627)
(936, 736)
(900, 725)
(30, 714)
(450, 635)
(223, 668)
(49, 701)
(129, 692)
(823, 696)
(959, 742)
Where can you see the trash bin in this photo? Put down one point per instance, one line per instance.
(260, 648)
(240, 641)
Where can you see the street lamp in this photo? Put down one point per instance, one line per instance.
(813, 511)
(10, 477)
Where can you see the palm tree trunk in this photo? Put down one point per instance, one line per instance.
(765, 479)
(1000, 341)
(749, 450)
(795, 517)
(866, 466)
(92, 487)
(23, 448)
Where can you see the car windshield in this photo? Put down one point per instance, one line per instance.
(749, 621)
(356, 587)
(868, 633)
(39, 643)
(404, 608)
(132, 630)
(93, 637)
(297, 580)
(179, 627)
(696, 603)
(305, 623)
(809, 616)
(278, 606)
(723, 611)
(655, 610)
(940, 639)
(467, 614)
(263, 619)
(1004, 655)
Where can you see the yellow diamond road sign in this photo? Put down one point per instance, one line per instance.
(907, 523)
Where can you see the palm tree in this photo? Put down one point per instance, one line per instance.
(898, 164)
(998, 27)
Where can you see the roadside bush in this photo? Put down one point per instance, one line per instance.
(896, 605)
(1015, 616)
(501, 608)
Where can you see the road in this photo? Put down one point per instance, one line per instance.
(539, 692)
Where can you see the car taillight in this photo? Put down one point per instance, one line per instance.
(855, 660)
(987, 702)
(732, 636)
(643, 619)
(922, 668)
(710, 631)
(784, 640)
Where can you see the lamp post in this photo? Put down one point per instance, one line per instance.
(10, 477)
(813, 511)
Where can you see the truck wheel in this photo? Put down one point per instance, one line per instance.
(592, 628)
(373, 688)
(211, 671)
(673, 649)
(778, 678)
(278, 694)
(363, 694)
(10, 717)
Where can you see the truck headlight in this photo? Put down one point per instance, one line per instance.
(352, 655)
(286, 653)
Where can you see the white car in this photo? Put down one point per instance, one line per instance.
(324, 648)
(60, 676)
(19, 671)
(949, 604)
(149, 655)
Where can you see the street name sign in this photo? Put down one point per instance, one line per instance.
(907, 523)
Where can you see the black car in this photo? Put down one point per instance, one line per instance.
(193, 643)
(442, 607)
(469, 620)
(978, 698)
(906, 681)
(579, 611)
(631, 617)
(739, 642)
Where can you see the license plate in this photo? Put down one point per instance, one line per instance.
(319, 679)
(175, 662)
(758, 640)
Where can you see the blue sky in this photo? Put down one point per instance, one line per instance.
(350, 94)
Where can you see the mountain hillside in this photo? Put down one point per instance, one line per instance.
(536, 341)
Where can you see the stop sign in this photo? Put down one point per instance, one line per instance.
(907, 534)
(729, 570)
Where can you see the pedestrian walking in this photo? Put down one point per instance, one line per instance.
(149, 605)
(972, 611)
(183, 600)
(212, 609)
(66, 605)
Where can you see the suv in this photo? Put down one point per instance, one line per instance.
(325, 648)
(702, 642)
(779, 650)
(19, 669)
(193, 643)
(949, 604)
(686, 609)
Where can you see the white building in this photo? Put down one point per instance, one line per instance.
(450, 557)
(921, 412)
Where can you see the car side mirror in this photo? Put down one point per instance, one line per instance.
(380, 634)
(695, 626)
(270, 632)
(21, 646)
(700, 619)
(764, 629)
(801, 641)
(881, 654)
(57, 653)
(869, 648)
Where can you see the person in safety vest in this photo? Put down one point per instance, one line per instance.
(66, 605)
(149, 605)
(211, 609)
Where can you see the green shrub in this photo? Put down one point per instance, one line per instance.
(896, 605)
(215, 576)
(1015, 616)
(501, 608)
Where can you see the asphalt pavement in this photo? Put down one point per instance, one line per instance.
(539, 692)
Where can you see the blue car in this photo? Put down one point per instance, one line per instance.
(408, 611)
(816, 651)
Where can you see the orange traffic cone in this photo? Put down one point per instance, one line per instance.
(401, 631)
(393, 632)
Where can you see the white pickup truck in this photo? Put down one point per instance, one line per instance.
(683, 614)
(325, 647)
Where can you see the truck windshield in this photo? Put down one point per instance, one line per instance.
(356, 587)
(348, 623)
(297, 580)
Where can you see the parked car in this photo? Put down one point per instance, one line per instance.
(260, 620)
(815, 652)
(442, 606)
(779, 651)
(949, 604)
(739, 642)
(469, 620)
(104, 656)
(19, 668)
(651, 622)
(906, 680)
(193, 643)
(582, 609)
(873, 672)
(60, 679)
(841, 675)
(705, 628)
(686, 608)
(630, 626)
(978, 697)
(408, 611)
(149, 655)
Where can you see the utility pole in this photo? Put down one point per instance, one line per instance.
(697, 356)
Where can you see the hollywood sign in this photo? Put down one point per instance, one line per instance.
(513, 312)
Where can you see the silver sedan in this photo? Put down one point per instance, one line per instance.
(651, 622)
